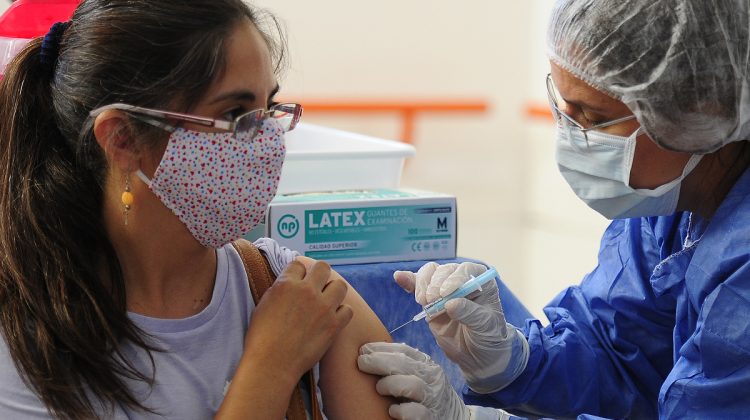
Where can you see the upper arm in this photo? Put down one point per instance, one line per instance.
(347, 391)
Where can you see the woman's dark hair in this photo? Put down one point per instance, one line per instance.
(62, 294)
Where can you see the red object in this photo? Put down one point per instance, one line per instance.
(28, 19)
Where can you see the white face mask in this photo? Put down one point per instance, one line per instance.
(598, 170)
(217, 184)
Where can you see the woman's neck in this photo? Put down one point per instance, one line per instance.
(705, 188)
(167, 273)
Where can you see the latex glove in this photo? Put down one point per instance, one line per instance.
(472, 332)
(411, 375)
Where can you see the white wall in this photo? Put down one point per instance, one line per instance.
(515, 211)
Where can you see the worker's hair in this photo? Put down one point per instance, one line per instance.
(62, 294)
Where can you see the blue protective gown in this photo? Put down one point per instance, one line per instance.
(660, 328)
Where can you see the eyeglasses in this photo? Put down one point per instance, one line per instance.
(286, 114)
(555, 98)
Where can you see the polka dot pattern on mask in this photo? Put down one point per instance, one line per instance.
(217, 184)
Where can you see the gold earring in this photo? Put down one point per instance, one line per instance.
(127, 198)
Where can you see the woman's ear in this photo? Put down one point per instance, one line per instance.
(112, 131)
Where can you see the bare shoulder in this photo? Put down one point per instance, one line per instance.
(345, 389)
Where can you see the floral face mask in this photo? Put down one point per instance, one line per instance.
(219, 184)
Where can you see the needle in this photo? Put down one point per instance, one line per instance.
(401, 326)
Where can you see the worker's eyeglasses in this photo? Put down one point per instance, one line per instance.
(562, 119)
(286, 114)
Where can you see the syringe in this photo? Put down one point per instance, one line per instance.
(437, 307)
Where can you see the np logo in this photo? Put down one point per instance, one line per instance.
(288, 226)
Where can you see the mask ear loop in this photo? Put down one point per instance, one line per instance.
(630, 154)
(139, 173)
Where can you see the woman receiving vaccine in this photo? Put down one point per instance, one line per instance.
(137, 142)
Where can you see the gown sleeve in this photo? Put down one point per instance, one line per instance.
(608, 346)
(711, 373)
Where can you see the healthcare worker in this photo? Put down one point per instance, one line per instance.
(652, 104)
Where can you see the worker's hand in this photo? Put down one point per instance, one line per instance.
(420, 384)
(472, 332)
(408, 374)
(298, 318)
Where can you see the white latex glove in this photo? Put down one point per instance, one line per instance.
(472, 332)
(408, 374)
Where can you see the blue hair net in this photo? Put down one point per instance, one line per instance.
(681, 66)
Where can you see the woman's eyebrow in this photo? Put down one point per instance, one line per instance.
(586, 105)
(581, 101)
(241, 95)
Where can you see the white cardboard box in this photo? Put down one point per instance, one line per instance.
(365, 226)
(325, 159)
